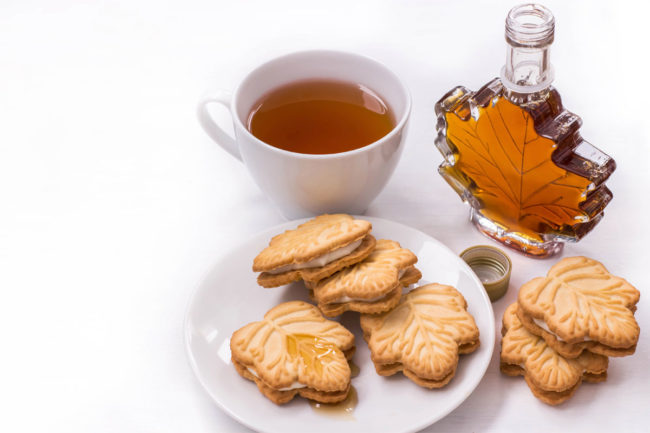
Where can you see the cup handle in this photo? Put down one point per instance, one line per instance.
(221, 137)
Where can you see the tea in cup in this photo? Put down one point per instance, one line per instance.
(319, 131)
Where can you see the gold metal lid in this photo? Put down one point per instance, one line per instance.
(492, 266)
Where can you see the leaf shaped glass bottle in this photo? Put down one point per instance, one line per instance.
(515, 154)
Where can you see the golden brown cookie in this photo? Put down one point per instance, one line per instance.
(571, 350)
(579, 300)
(295, 350)
(422, 336)
(268, 280)
(371, 286)
(314, 250)
(551, 397)
(411, 276)
(281, 397)
(551, 377)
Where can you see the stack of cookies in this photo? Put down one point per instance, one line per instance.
(564, 326)
(294, 350)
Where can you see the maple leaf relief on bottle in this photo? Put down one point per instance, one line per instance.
(515, 154)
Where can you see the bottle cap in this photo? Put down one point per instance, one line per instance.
(492, 266)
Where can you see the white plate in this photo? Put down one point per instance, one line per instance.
(229, 297)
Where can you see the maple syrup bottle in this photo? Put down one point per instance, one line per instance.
(515, 154)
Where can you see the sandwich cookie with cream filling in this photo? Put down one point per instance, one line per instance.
(580, 306)
(314, 250)
(371, 286)
(423, 336)
(293, 351)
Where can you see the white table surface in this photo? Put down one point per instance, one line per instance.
(114, 203)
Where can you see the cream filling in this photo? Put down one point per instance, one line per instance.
(545, 327)
(319, 261)
(348, 299)
(294, 385)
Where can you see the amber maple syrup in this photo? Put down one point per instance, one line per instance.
(343, 410)
(314, 351)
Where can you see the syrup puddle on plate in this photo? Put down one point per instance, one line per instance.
(342, 410)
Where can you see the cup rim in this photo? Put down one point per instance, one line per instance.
(398, 127)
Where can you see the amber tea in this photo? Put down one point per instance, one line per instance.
(320, 117)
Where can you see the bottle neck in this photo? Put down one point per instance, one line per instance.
(528, 70)
(529, 34)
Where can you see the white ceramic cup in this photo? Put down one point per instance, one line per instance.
(303, 185)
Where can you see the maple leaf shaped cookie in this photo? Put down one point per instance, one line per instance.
(571, 350)
(551, 377)
(295, 350)
(371, 286)
(310, 240)
(579, 300)
(422, 336)
(314, 250)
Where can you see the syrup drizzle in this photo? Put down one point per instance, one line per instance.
(314, 351)
(342, 410)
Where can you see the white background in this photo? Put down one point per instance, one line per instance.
(113, 202)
